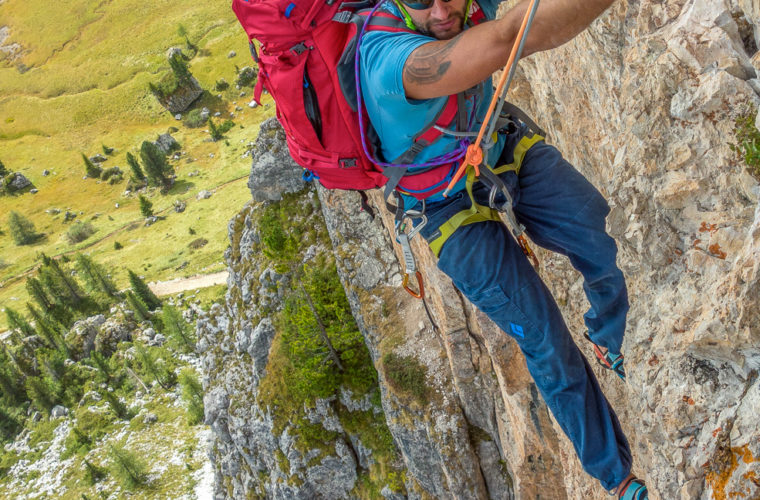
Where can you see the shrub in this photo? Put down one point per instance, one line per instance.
(117, 245)
(246, 77)
(79, 232)
(109, 173)
(747, 146)
(195, 119)
(226, 126)
(3, 171)
(22, 229)
(221, 84)
(116, 179)
(405, 374)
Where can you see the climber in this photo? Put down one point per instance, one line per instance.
(407, 77)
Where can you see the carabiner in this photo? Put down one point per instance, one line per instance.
(527, 250)
(405, 284)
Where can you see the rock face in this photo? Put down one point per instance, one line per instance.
(274, 172)
(654, 87)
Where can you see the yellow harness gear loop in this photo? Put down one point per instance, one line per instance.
(477, 212)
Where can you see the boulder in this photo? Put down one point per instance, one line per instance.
(167, 143)
(81, 337)
(98, 158)
(182, 98)
(58, 411)
(203, 195)
(117, 328)
(19, 182)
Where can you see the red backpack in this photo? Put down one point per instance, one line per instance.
(306, 62)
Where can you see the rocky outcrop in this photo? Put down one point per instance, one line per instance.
(181, 99)
(274, 172)
(643, 104)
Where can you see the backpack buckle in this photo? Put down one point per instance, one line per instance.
(347, 162)
(299, 49)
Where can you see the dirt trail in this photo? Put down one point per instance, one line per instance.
(184, 284)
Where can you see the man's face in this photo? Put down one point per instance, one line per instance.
(443, 20)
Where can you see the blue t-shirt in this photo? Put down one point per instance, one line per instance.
(398, 119)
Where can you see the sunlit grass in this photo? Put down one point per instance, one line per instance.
(88, 68)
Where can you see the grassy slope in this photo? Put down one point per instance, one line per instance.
(89, 66)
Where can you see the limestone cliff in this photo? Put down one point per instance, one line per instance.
(643, 103)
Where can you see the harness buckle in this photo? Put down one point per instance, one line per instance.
(347, 162)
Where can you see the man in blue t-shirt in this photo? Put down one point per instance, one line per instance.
(406, 78)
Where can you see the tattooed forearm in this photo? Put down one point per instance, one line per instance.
(428, 64)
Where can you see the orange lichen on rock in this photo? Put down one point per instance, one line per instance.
(716, 251)
(722, 467)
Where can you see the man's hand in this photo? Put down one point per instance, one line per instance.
(447, 67)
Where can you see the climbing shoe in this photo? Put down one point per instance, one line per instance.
(609, 360)
(632, 489)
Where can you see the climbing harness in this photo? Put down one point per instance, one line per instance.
(402, 170)
(474, 156)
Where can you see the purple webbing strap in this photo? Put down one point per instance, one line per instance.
(452, 156)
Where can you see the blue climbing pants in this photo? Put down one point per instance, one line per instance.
(562, 212)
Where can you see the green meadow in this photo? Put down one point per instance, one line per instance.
(80, 81)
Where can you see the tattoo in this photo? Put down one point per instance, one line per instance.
(429, 64)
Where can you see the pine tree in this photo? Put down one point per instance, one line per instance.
(10, 425)
(192, 394)
(59, 284)
(146, 207)
(119, 409)
(177, 329)
(140, 309)
(137, 173)
(216, 134)
(22, 229)
(180, 69)
(44, 328)
(164, 377)
(93, 473)
(100, 362)
(3, 171)
(127, 467)
(95, 276)
(90, 168)
(40, 393)
(142, 290)
(37, 292)
(17, 321)
(11, 380)
(157, 169)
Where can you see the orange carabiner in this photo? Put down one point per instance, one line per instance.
(405, 284)
(527, 250)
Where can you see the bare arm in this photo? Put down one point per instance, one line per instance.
(446, 67)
